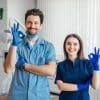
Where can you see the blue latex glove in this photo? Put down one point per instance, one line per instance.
(21, 63)
(17, 35)
(95, 58)
(83, 86)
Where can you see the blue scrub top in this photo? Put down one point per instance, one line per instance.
(29, 86)
(78, 72)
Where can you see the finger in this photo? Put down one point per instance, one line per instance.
(94, 50)
(17, 27)
(21, 34)
(98, 51)
(14, 28)
(90, 55)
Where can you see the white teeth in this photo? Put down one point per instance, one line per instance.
(71, 50)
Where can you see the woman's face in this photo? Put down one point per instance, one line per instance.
(72, 46)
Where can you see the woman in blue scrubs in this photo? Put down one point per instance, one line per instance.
(35, 59)
(75, 73)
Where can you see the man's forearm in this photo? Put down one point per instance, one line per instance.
(48, 70)
(10, 59)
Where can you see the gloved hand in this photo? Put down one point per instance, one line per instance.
(83, 86)
(17, 35)
(95, 58)
(21, 63)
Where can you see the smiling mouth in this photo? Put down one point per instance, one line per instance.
(32, 28)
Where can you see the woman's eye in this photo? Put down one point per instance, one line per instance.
(75, 44)
(68, 43)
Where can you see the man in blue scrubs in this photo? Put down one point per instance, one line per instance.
(33, 58)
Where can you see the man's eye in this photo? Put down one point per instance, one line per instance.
(29, 22)
(36, 23)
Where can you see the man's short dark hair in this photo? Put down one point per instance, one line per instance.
(35, 12)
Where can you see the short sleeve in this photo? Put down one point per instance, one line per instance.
(50, 54)
(58, 73)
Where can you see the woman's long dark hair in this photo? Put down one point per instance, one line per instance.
(80, 52)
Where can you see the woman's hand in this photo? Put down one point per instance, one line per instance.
(95, 59)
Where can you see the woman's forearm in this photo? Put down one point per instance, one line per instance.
(96, 80)
(66, 86)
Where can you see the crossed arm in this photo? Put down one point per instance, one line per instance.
(10, 61)
(76, 87)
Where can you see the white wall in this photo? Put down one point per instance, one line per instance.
(3, 22)
(98, 23)
(17, 8)
(14, 8)
(71, 16)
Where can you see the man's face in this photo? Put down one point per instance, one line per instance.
(33, 24)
